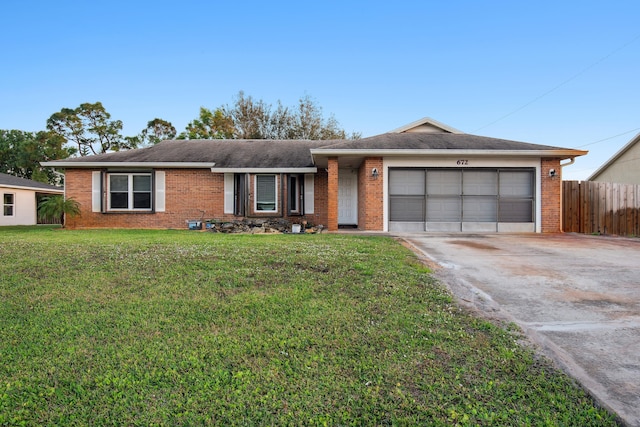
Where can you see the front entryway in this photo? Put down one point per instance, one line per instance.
(347, 197)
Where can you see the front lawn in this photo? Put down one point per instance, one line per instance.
(112, 327)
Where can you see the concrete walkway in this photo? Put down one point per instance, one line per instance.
(576, 296)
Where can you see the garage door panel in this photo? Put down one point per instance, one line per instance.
(444, 209)
(516, 184)
(516, 227)
(516, 211)
(406, 209)
(406, 182)
(479, 227)
(446, 227)
(444, 182)
(479, 209)
(480, 183)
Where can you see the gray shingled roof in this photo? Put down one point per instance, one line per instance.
(434, 141)
(224, 153)
(263, 154)
(7, 180)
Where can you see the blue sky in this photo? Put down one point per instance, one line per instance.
(561, 73)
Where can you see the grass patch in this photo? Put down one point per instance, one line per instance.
(136, 327)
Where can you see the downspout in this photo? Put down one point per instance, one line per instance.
(571, 161)
(562, 165)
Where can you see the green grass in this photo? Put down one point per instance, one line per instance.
(135, 327)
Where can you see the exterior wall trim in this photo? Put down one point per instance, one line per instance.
(264, 170)
(148, 165)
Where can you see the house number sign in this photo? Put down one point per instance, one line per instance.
(462, 162)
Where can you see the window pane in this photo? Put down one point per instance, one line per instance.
(8, 210)
(142, 200)
(119, 200)
(141, 183)
(119, 183)
(266, 192)
(8, 199)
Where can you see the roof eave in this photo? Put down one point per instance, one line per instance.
(265, 170)
(168, 165)
(562, 153)
(36, 189)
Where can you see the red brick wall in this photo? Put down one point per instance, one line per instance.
(332, 194)
(370, 195)
(320, 195)
(551, 188)
(188, 192)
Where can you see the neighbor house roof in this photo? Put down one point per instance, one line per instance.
(614, 158)
(220, 155)
(10, 181)
(441, 144)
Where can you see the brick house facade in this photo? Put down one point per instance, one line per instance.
(423, 177)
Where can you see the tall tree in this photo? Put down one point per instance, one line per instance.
(157, 130)
(89, 129)
(251, 119)
(209, 125)
(258, 120)
(21, 153)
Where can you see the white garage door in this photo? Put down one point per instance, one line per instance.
(471, 200)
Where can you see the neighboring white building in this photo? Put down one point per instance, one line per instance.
(19, 201)
(623, 167)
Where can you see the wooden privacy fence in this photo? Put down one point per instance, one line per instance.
(601, 208)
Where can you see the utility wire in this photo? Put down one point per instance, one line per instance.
(608, 138)
(561, 84)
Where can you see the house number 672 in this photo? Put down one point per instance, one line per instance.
(462, 162)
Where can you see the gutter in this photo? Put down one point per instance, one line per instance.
(36, 189)
(566, 153)
(173, 165)
(265, 170)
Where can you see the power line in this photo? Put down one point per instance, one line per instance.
(561, 84)
(608, 138)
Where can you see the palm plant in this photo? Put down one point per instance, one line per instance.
(54, 207)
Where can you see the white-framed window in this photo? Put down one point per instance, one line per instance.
(8, 204)
(266, 193)
(129, 192)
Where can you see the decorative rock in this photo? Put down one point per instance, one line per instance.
(259, 226)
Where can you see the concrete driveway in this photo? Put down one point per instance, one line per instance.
(576, 296)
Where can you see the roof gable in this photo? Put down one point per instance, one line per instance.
(629, 146)
(426, 125)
